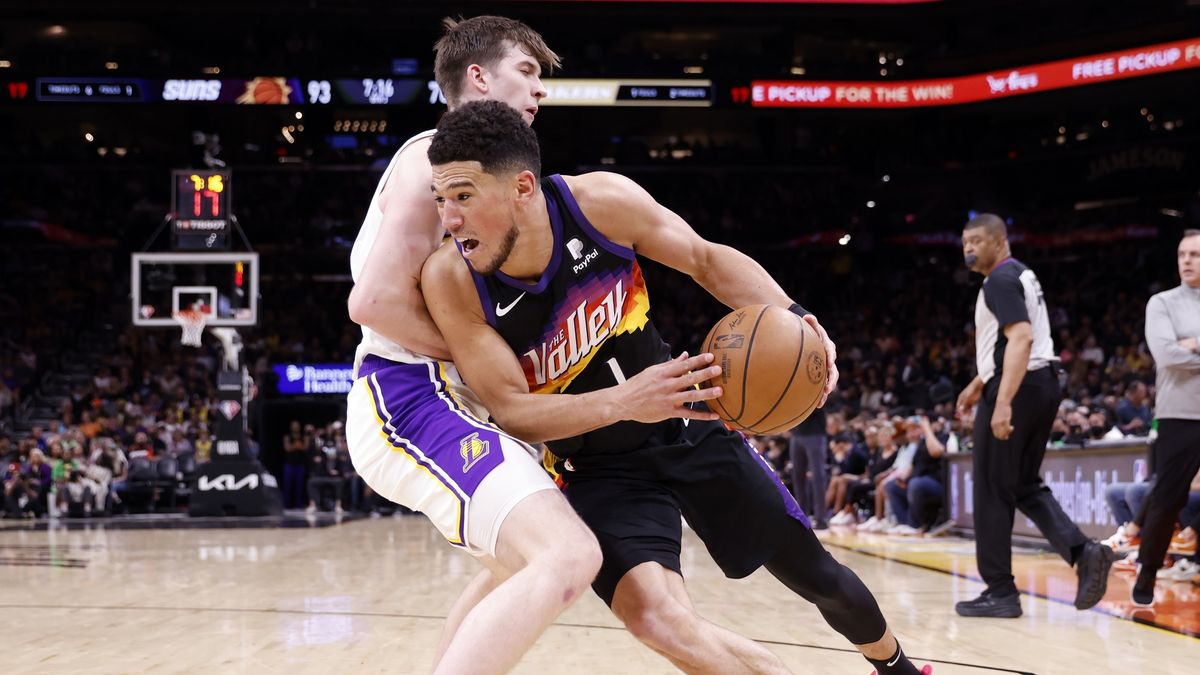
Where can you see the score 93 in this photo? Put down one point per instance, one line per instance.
(320, 91)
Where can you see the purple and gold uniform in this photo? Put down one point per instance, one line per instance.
(420, 438)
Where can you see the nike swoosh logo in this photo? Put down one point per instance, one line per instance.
(501, 311)
(899, 653)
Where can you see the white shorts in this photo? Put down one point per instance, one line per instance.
(420, 438)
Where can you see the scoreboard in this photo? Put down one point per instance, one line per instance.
(358, 91)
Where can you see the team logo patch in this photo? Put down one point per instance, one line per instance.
(230, 409)
(472, 448)
(729, 341)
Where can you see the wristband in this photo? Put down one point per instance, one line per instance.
(798, 310)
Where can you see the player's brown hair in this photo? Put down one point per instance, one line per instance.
(482, 40)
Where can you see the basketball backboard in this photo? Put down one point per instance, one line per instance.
(223, 286)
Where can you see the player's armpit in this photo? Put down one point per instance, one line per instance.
(385, 297)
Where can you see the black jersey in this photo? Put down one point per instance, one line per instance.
(1010, 294)
(583, 326)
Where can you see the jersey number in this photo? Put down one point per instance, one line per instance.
(616, 368)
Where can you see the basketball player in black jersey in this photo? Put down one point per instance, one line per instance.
(542, 304)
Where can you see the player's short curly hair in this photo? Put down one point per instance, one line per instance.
(489, 132)
(482, 40)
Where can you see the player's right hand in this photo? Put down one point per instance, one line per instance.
(664, 390)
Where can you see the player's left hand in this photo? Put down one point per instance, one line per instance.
(1002, 426)
(1190, 344)
(831, 377)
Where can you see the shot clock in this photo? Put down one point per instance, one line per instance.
(200, 210)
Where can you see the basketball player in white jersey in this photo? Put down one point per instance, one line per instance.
(417, 436)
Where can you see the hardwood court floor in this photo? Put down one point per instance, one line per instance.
(1041, 573)
(369, 596)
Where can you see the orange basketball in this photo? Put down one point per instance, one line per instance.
(772, 369)
(269, 90)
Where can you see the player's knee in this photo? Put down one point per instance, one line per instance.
(584, 559)
(576, 559)
(661, 624)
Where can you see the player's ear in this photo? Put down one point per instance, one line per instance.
(477, 78)
(526, 187)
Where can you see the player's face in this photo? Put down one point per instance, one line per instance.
(475, 210)
(1189, 261)
(516, 79)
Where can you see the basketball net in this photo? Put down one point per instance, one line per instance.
(192, 323)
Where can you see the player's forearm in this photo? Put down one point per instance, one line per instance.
(398, 313)
(738, 280)
(1016, 360)
(537, 418)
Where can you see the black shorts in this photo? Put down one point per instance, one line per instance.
(730, 496)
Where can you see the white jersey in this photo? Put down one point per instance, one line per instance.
(1010, 294)
(372, 342)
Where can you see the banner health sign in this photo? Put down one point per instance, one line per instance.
(315, 378)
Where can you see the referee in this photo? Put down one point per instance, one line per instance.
(1018, 394)
(1172, 327)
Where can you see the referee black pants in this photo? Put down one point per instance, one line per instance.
(1007, 478)
(1177, 459)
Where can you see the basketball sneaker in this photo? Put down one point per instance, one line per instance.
(1092, 569)
(993, 606)
(941, 529)
(877, 525)
(1184, 570)
(1141, 594)
(1122, 540)
(927, 669)
(1181, 545)
(842, 519)
(1127, 564)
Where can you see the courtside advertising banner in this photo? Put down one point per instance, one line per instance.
(1076, 72)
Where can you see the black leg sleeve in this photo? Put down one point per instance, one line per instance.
(805, 567)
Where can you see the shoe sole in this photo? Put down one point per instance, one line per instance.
(1137, 604)
(1093, 583)
(1005, 613)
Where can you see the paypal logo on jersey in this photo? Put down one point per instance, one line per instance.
(575, 248)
